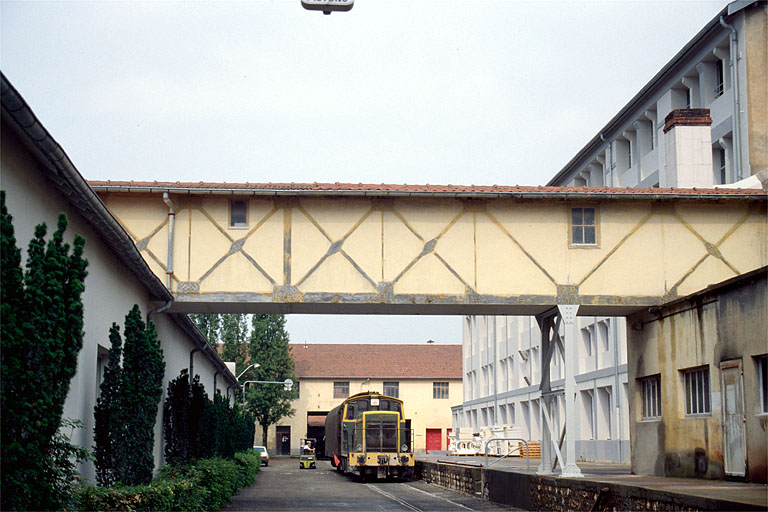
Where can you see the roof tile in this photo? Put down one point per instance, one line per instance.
(339, 360)
(385, 188)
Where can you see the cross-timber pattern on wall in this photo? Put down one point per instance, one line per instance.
(443, 250)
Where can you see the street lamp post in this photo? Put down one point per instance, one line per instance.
(288, 383)
(254, 365)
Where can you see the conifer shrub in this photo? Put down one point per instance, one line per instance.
(126, 412)
(41, 334)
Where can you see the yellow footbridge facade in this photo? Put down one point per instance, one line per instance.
(313, 248)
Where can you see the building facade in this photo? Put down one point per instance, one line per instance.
(40, 182)
(699, 398)
(702, 121)
(427, 378)
(502, 371)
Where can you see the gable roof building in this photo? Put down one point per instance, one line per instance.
(427, 378)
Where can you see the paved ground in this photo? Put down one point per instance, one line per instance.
(283, 486)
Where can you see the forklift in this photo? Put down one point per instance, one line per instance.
(308, 458)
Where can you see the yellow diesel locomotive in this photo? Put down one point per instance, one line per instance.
(368, 435)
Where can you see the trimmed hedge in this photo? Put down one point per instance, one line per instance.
(207, 485)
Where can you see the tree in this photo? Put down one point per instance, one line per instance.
(208, 324)
(269, 403)
(234, 336)
(41, 334)
(107, 429)
(141, 387)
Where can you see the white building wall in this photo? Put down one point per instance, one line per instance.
(602, 402)
(111, 290)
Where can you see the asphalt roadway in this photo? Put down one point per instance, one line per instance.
(284, 486)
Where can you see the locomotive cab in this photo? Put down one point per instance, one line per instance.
(374, 438)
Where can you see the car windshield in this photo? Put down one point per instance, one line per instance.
(260, 449)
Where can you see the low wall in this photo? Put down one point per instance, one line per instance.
(534, 492)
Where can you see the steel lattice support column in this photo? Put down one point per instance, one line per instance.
(568, 314)
(547, 343)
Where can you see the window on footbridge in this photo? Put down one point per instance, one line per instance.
(583, 226)
(238, 214)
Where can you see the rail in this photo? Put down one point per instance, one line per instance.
(527, 450)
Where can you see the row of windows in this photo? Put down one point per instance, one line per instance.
(697, 390)
(583, 222)
(439, 389)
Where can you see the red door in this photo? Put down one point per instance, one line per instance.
(434, 439)
(448, 437)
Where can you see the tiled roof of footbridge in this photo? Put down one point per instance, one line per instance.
(396, 361)
(383, 189)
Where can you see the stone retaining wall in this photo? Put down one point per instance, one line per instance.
(533, 492)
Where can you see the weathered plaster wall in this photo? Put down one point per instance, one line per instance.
(729, 324)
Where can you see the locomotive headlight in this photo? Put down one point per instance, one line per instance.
(359, 448)
(404, 448)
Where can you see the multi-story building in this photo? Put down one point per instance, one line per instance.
(427, 378)
(716, 87)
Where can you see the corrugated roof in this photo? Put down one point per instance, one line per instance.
(348, 361)
(384, 189)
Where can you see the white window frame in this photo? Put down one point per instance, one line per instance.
(762, 369)
(583, 226)
(339, 388)
(650, 398)
(440, 390)
(389, 385)
(719, 78)
(698, 392)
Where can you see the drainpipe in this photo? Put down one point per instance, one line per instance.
(192, 362)
(736, 99)
(161, 309)
(215, 376)
(171, 225)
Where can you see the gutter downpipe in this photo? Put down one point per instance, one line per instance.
(215, 376)
(161, 309)
(192, 362)
(171, 226)
(736, 97)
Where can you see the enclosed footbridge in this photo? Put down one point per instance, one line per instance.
(424, 249)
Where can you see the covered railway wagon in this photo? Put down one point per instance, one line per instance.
(368, 434)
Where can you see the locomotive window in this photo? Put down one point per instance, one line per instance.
(384, 405)
(362, 405)
(350, 412)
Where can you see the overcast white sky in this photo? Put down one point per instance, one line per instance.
(460, 92)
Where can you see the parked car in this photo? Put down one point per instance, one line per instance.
(264, 454)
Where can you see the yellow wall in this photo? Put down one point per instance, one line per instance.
(416, 394)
